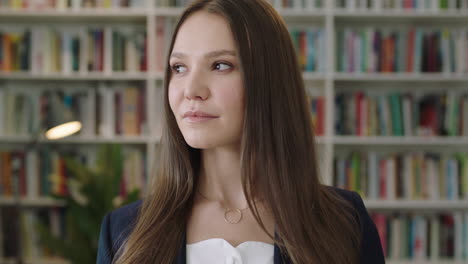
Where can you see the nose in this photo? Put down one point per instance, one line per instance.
(197, 87)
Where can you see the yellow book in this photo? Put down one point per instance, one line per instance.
(130, 111)
(7, 53)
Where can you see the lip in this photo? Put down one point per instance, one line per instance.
(198, 116)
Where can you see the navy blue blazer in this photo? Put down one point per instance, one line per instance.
(117, 225)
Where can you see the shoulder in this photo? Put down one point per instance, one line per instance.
(115, 228)
(352, 197)
(346, 194)
(125, 215)
(371, 248)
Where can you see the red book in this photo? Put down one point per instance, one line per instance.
(144, 61)
(410, 47)
(321, 115)
(428, 116)
(380, 221)
(431, 53)
(391, 53)
(123, 188)
(7, 53)
(407, 4)
(383, 179)
(384, 55)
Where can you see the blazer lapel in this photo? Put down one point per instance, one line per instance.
(182, 255)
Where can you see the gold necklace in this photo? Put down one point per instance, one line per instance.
(229, 211)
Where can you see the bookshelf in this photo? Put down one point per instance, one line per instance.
(157, 17)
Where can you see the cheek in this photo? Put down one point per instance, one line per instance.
(234, 97)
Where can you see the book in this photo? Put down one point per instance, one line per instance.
(415, 49)
(403, 175)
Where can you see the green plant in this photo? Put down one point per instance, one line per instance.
(93, 192)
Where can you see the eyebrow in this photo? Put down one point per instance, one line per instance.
(211, 54)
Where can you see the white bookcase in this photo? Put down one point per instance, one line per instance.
(326, 83)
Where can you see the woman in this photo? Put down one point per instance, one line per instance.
(238, 180)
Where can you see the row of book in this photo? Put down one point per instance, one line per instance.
(121, 111)
(106, 111)
(401, 114)
(42, 172)
(309, 45)
(299, 4)
(276, 3)
(414, 49)
(407, 175)
(26, 222)
(67, 4)
(423, 237)
(417, 5)
(66, 50)
(173, 3)
(310, 48)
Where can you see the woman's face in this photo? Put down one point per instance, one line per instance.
(206, 89)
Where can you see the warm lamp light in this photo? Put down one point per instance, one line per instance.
(63, 130)
(61, 121)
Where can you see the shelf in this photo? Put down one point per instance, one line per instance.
(159, 76)
(307, 76)
(285, 12)
(75, 76)
(439, 205)
(56, 15)
(403, 141)
(440, 261)
(313, 76)
(302, 15)
(8, 261)
(15, 139)
(82, 140)
(399, 14)
(98, 140)
(398, 77)
(34, 261)
(31, 202)
(46, 261)
(321, 139)
(168, 11)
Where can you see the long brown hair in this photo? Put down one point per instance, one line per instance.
(278, 159)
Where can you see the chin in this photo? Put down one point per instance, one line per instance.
(200, 143)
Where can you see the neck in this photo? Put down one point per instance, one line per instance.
(220, 177)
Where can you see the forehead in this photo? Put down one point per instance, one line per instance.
(204, 32)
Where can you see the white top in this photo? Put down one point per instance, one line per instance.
(219, 251)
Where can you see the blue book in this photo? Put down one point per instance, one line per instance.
(310, 51)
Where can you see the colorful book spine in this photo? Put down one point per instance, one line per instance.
(426, 50)
(412, 175)
(401, 114)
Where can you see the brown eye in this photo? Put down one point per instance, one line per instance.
(178, 68)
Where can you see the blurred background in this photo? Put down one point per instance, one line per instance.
(80, 116)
